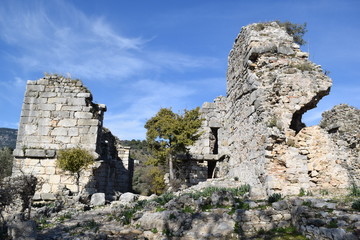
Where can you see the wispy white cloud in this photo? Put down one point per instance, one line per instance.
(65, 40)
(68, 41)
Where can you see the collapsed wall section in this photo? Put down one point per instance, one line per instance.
(270, 85)
(58, 113)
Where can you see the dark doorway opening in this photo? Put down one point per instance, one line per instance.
(215, 144)
(211, 168)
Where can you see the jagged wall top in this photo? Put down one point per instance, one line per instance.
(266, 64)
(57, 113)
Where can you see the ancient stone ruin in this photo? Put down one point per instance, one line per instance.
(255, 134)
(58, 113)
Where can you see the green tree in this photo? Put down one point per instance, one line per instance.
(6, 161)
(297, 31)
(74, 160)
(169, 134)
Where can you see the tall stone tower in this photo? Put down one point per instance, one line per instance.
(255, 134)
(58, 113)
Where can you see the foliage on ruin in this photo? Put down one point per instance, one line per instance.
(169, 134)
(297, 31)
(74, 160)
(6, 162)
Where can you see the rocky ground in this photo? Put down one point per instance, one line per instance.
(206, 211)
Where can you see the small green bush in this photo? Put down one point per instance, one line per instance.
(356, 205)
(297, 31)
(164, 198)
(274, 197)
(74, 160)
(6, 161)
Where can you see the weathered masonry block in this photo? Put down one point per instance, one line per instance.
(58, 113)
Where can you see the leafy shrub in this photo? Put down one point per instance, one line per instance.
(164, 198)
(207, 192)
(274, 197)
(297, 31)
(6, 160)
(74, 160)
(356, 205)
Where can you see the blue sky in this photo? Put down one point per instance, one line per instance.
(139, 56)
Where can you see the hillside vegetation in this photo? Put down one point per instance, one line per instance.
(8, 137)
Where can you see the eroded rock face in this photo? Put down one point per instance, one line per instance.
(256, 127)
(58, 113)
(343, 126)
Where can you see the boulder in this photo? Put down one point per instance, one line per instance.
(98, 199)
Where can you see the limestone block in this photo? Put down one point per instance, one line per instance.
(47, 94)
(35, 88)
(93, 130)
(83, 95)
(72, 187)
(84, 130)
(30, 129)
(88, 122)
(67, 123)
(60, 114)
(48, 196)
(47, 162)
(76, 101)
(36, 197)
(67, 179)
(50, 171)
(85, 115)
(75, 140)
(90, 139)
(46, 107)
(54, 179)
(46, 188)
(62, 139)
(35, 153)
(37, 170)
(31, 162)
(57, 100)
(71, 108)
(44, 121)
(59, 131)
(32, 141)
(73, 132)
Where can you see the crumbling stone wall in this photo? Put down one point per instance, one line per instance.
(58, 113)
(263, 142)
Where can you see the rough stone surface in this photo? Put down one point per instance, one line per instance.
(98, 199)
(255, 133)
(128, 198)
(22, 230)
(58, 113)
